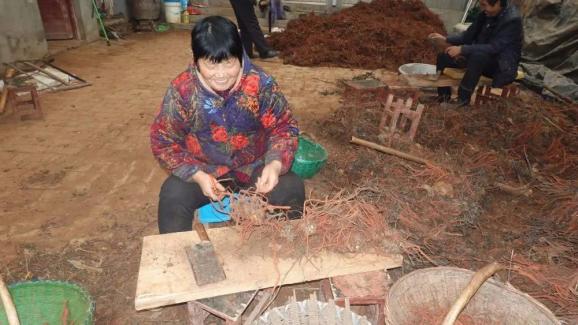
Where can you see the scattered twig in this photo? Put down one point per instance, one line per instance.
(390, 151)
(523, 190)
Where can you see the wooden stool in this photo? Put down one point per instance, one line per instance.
(15, 100)
(396, 118)
(486, 93)
(363, 289)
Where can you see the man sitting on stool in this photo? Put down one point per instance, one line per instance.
(491, 46)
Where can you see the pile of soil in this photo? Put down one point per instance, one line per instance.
(380, 34)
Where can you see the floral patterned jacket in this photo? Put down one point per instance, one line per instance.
(197, 129)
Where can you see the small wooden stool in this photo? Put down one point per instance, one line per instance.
(368, 289)
(486, 93)
(396, 118)
(15, 100)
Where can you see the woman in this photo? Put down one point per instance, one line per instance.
(223, 118)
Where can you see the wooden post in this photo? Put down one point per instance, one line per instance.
(390, 151)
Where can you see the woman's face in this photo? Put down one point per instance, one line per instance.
(220, 76)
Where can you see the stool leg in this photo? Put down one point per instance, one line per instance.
(36, 102)
(415, 121)
(479, 95)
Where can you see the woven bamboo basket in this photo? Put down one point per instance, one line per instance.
(432, 291)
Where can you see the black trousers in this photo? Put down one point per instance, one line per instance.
(178, 200)
(249, 25)
(476, 65)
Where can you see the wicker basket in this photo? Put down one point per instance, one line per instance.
(309, 158)
(435, 289)
(43, 302)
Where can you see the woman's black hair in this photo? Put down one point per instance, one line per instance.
(216, 38)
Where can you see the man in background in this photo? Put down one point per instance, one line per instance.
(491, 46)
(250, 30)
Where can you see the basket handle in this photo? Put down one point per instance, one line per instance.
(475, 283)
(8, 304)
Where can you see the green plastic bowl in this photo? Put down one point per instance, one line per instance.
(309, 158)
(42, 302)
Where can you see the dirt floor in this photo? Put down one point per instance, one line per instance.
(79, 189)
(82, 185)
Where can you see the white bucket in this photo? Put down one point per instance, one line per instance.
(173, 12)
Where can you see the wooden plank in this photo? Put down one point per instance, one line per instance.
(230, 307)
(368, 284)
(46, 72)
(197, 314)
(165, 275)
(365, 84)
(263, 299)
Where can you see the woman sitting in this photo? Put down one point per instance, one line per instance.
(223, 118)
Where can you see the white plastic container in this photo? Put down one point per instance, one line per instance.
(417, 68)
(173, 12)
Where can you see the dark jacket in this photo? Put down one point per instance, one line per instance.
(504, 37)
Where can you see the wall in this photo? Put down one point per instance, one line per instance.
(121, 7)
(86, 19)
(21, 31)
(450, 11)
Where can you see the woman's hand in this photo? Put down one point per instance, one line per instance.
(209, 185)
(269, 177)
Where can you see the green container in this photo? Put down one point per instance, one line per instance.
(309, 158)
(42, 302)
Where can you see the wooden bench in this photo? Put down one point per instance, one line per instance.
(451, 77)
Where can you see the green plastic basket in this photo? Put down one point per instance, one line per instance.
(42, 302)
(309, 158)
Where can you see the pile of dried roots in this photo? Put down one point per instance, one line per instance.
(379, 34)
(344, 223)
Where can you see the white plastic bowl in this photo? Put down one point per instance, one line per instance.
(417, 68)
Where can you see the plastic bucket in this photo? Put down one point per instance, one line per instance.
(173, 12)
(309, 158)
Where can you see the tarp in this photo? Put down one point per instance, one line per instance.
(549, 82)
(551, 35)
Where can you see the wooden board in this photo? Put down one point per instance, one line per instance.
(365, 84)
(229, 307)
(165, 275)
(450, 78)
